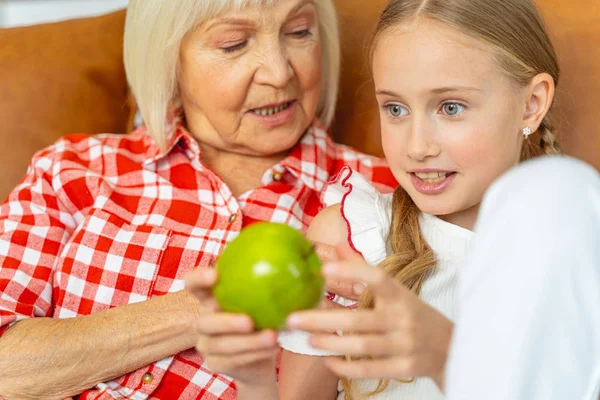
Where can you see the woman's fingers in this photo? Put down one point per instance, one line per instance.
(227, 363)
(339, 320)
(237, 344)
(372, 345)
(201, 281)
(223, 323)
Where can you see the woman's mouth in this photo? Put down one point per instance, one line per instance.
(432, 182)
(274, 115)
(268, 111)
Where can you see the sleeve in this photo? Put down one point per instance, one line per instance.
(33, 230)
(529, 319)
(375, 170)
(364, 209)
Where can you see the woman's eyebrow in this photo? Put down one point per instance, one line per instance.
(300, 6)
(231, 21)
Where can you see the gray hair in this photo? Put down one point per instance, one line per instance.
(154, 30)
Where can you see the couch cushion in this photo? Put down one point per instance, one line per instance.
(574, 30)
(57, 79)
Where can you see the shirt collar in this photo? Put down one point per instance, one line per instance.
(312, 158)
(176, 134)
(309, 161)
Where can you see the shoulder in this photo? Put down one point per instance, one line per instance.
(87, 149)
(328, 226)
(374, 169)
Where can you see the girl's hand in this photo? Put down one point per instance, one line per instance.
(340, 287)
(402, 337)
(227, 342)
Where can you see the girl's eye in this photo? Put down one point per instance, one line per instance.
(301, 34)
(235, 47)
(396, 110)
(453, 109)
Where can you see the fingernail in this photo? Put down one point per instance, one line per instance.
(209, 273)
(313, 341)
(267, 337)
(244, 323)
(292, 320)
(329, 268)
(359, 288)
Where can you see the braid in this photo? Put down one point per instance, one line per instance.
(411, 262)
(543, 142)
(548, 140)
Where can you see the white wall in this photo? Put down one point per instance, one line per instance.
(29, 12)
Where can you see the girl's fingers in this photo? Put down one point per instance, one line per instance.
(327, 304)
(393, 368)
(356, 345)
(381, 284)
(346, 253)
(325, 252)
(339, 320)
(237, 344)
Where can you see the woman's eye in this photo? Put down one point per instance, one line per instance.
(235, 47)
(396, 111)
(453, 109)
(301, 33)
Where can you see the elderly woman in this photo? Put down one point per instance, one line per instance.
(96, 239)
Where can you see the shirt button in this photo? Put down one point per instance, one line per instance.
(277, 176)
(232, 218)
(147, 378)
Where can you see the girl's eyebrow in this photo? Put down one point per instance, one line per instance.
(455, 89)
(383, 92)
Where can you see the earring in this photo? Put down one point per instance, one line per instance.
(526, 132)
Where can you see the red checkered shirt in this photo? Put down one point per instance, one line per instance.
(106, 220)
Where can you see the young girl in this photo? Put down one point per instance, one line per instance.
(461, 86)
(464, 89)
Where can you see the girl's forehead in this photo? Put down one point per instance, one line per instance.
(433, 32)
(431, 55)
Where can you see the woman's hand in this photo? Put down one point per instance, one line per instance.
(227, 342)
(402, 337)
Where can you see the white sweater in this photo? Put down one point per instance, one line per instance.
(368, 213)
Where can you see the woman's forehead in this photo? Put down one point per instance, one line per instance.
(251, 13)
(217, 8)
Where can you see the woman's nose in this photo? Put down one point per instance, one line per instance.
(275, 68)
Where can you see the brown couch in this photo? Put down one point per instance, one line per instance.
(68, 77)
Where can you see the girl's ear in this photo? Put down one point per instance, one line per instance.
(539, 97)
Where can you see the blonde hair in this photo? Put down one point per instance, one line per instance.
(514, 30)
(154, 30)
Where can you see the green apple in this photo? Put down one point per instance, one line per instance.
(267, 272)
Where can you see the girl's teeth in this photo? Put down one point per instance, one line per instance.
(431, 177)
(268, 111)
